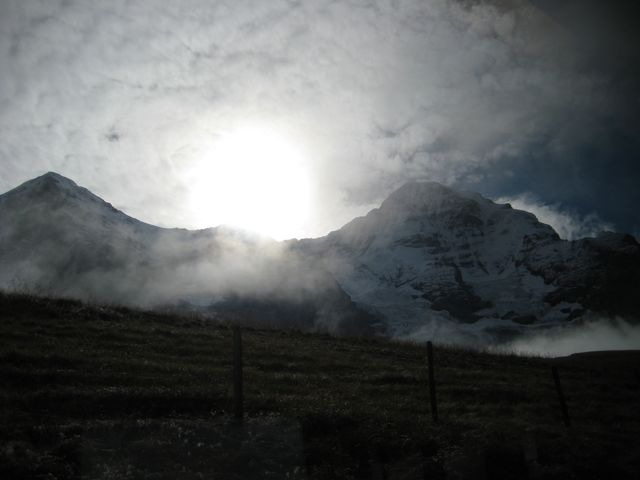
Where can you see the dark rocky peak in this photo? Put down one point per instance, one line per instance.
(50, 195)
(54, 178)
(432, 198)
(51, 188)
(48, 183)
(419, 194)
(613, 241)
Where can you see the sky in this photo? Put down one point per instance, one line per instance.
(294, 116)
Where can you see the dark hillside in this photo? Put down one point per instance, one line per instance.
(101, 392)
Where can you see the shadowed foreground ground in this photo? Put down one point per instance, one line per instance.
(97, 392)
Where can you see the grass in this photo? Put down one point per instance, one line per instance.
(103, 392)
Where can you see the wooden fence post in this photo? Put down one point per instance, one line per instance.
(563, 403)
(238, 400)
(432, 383)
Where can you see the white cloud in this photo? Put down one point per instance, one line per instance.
(569, 225)
(592, 335)
(119, 95)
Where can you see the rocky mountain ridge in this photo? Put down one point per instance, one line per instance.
(59, 239)
(431, 257)
(430, 262)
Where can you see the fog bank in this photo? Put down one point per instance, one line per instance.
(592, 335)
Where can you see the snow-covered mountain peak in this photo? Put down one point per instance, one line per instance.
(443, 204)
(430, 260)
(454, 254)
(418, 210)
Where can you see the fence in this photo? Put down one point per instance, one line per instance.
(238, 395)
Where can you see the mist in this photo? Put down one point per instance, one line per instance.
(218, 274)
(586, 336)
(569, 224)
(582, 335)
(59, 240)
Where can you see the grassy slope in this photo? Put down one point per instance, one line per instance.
(92, 392)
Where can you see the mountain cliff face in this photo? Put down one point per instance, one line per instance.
(431, 262)
(431, 257)
(59, 239)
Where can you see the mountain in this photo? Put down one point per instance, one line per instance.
(435, 262)
(59, 239)
(430, 263)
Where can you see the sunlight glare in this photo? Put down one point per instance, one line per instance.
(254, 180)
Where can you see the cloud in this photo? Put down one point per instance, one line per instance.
(375, 92)
(593, 335)
(570, 225)
(118, 260)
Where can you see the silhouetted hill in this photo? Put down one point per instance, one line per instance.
(93, 391)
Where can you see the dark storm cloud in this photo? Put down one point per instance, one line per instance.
(589, 161)
(595, 175)
(503, 97)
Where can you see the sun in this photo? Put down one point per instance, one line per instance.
(253, 179)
